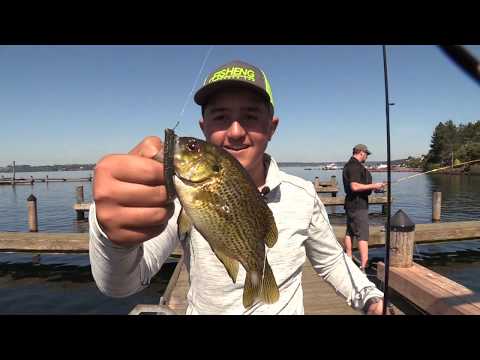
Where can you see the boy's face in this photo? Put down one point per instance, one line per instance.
(239, 121)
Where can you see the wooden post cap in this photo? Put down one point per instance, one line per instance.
(400, 222)
(31, 198)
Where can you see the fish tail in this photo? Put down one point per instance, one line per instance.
(251, 290)
(265, 289)
(270, 292)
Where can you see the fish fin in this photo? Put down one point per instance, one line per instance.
(230, 264)
(272, 234)
(251, 289)
(270, 292)
(184, 225)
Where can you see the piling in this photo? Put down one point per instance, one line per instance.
(402, 239)
(13, 176)
(32, 213)
(316, 182)
(436, 205)
(80, 200)
(333, 182)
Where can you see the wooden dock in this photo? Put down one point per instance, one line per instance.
(318, 296)
(432, 292)
(424, 233)
(331, 187)
(327, 201)
(81, 206)
(44, 242)
(326, 187)
(340, 200)
(32, 181)
(78, 242)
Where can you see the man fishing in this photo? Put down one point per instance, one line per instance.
(133, 226)
(357, 183)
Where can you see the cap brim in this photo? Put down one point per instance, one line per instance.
(202, 95)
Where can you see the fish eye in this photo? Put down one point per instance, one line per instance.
(193, 146)
(216, 168)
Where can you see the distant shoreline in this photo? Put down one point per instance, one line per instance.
(47, 168)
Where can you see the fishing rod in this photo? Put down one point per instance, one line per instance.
(389, 190)
(469, 64)
(464, 59)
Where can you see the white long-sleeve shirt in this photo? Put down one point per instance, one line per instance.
(303, 231)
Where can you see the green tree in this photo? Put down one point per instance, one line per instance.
(444, 141)
(463, 140)
(469, 152)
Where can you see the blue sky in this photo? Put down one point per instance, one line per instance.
(74, 104)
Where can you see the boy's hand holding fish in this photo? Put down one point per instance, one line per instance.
(130, 194)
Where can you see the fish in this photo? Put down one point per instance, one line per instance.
(220, 200)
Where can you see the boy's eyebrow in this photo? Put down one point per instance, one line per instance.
(252, 108)
(214, 110)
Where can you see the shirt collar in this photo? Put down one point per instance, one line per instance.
(273, 172)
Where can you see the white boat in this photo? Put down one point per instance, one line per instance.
(331, 166)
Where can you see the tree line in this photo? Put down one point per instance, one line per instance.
(453, 144)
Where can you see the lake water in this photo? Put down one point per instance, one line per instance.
(60, 283)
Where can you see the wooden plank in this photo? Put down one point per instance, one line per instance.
(319, 297)
(81, 207)
(78, 242)
(28, 182)
(326, 200)
(377, 235)
(44, 242)
(424, 233)
(340, 200)
(48, 242)
(171, 283)
(326, 189)
(178, 298)
(324, 183)
(447, 231)
(432, 292)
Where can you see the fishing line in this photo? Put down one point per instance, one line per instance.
(196, 80)
(263, 272)
(430, 171)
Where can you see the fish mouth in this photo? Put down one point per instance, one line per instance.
(188, 181)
